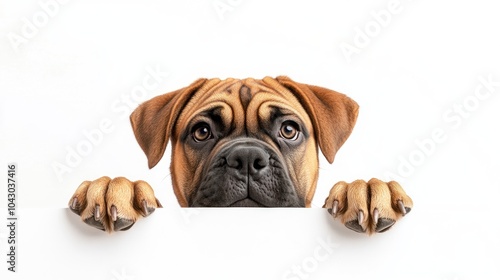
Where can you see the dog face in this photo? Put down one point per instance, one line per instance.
(245, 142)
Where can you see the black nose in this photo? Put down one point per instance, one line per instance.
(248, 159)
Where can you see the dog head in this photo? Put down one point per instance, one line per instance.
(245, 142)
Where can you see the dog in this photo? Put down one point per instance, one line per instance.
(243, 143)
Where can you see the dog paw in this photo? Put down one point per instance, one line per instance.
(113, 204)
(368, 207)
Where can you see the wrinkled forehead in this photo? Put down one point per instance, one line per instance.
(241, 102)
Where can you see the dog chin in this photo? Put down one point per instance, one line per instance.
(247, 202)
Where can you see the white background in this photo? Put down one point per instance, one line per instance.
(66, 67)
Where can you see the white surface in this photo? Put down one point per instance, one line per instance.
(177, 243)
(75, 71)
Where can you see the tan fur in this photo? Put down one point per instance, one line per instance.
(328, 115)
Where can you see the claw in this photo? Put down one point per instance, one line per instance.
(401, 207)
(375, 216)
(357, 225)
(74, 203)
(361, 217)
(145, 208)
(113, 213)
(97, 214)
(335, 208)
(74, 206)
(159, 204)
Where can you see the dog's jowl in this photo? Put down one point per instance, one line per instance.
(243, 143)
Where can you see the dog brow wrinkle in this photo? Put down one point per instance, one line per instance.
(245, 96)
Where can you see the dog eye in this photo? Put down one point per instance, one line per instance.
(202, 132)
(289, 130)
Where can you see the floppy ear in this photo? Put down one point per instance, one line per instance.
(333, 114)
(154, 120)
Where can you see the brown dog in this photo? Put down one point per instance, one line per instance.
(243, 143)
